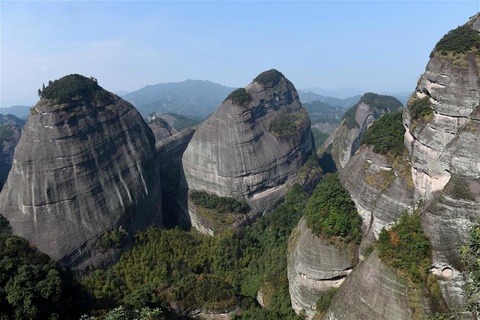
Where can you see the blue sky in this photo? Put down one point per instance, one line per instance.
(379, 46)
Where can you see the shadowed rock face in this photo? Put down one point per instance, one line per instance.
(445, 156)
(85, 164)
(252, 145)
(372, 291)
(7, 148)
(314, 267)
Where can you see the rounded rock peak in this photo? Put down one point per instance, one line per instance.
(270, 78)
(74, 88)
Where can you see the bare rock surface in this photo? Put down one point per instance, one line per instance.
(445, 157)
(252, 146)
(85, 164)
(381, 188)
(372, 291)
(345, 140)
(314, 267)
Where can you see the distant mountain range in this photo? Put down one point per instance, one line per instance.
(198, 98)
(21, 112)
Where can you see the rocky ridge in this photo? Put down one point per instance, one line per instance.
(84, 165)
(345, 140)
(445, 150)
(251, 147)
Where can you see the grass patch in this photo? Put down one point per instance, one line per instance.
(239, 97)
(287, 124)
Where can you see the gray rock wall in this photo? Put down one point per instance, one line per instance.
(445, 151)
(314, 267)
(78, 171)
(372, 291)
(234, 153)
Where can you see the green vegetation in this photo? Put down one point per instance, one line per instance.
(183, 122)
(386, 134)
(239, 97)
(421, 110)
(380, 102)
(405, 248)
(331, 212)
(459, 40)
(75, 87)
(115, 238)
(220, 204)
(269, 78)
(349, 118)
(6, 133)
(287, 124)
(121, 313)
(32, 286)
(319, 137)
(188, 270)
(324, 301)
(470, 254)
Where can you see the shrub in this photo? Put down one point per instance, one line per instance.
(286, 124)
(331, 212)
(221, 204)
(406, 248)
(239, 97)
(470, 254)
(75, 87)
(421, 109)
(349, 118)
(325, 299)
(459, 40)
(386, 134)
(269, 78)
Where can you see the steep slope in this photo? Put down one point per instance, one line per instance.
(314, 267)
(343, 143)
(85, 164)
(372, 291)
(252, 146)
(443, 122)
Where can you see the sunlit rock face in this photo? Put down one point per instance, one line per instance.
(252, 146)
(381, 188)
(85, 164)
(346, 139)
(445, 157)
(372, 291)
(314, 267)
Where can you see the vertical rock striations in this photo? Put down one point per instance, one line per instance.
(314, 267)
(252, 146)
(10, 128)
(85, 164)
(442, 120)
(372, 291)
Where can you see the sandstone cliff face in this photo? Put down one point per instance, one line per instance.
(445, 156)
(161, 129)
(169, 161)
(345, 140)
(314, 267)
(381, 188)
(252, 146)
(82, 167)
(372, 291)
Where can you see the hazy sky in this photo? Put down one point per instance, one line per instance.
(380, 46)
